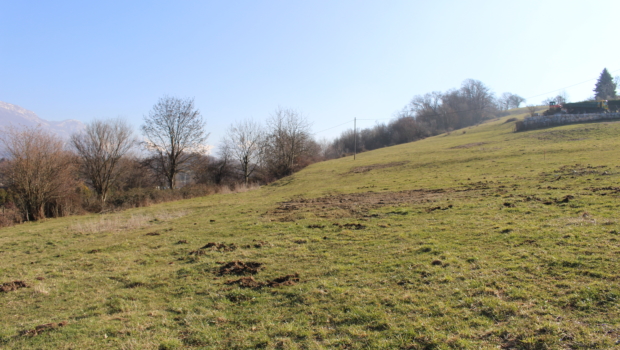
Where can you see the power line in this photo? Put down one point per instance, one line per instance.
(333, 127)
(583, 82)
(462, 111)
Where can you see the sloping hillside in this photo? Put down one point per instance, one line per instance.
(482, 238)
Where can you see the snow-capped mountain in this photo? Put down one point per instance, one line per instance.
(17, 116)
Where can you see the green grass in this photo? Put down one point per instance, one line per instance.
(513, 263)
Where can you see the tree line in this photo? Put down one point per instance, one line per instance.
(430, 114)
(106, 167)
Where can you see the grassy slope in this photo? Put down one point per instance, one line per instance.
(500, 268)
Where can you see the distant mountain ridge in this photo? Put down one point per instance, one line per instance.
(14, 115)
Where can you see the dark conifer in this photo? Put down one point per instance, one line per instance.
(605, 88)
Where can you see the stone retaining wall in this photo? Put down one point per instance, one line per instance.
(544, 121)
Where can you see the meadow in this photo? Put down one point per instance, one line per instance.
(481, 238)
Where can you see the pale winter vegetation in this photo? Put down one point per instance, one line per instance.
(430, 114)
(104, 168)
(487, 239)
(39, 172)
(175, 133)
(101, 147)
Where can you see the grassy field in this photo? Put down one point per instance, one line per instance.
(478, 239)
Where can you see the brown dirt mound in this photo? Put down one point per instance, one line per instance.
(240, 268)
(11, 286)
(257, 244)
(438, 208)
(220, 247)
(356, 204)
(260, 244)
(288, 280)
(153, 234)
(354, 226)
(367, 168)
(43, 328)
(250, 282)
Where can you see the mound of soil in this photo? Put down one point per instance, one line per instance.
(153, 234)
(220, 247)
(11, 286)
(354, 226)
(257, 244)
(240, 268)
(198, 252)
(250, 282)
(438, 208)
(260, 244)
(43, 328)
(288, 280)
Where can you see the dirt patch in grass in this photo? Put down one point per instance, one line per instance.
(367, 168)
(469, 145)
(428, 210)
(42, 328)
(247, 282)
(257, 244)
(11, 286)
(220, 247)
(288, 280)
(250, 282)
(354, 226)
(356, 204)
(240, 268)
(576, 171)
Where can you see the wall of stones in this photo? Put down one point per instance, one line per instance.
(544, 121)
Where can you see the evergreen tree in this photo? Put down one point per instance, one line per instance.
(605, 88)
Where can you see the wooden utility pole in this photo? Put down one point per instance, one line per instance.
(354, 137)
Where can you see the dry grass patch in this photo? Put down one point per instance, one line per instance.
(118, 222)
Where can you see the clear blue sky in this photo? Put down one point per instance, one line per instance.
(331, 60)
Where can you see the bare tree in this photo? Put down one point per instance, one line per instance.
(100, 147)
(561, 98)
(39, 171)
(515, 100)
(245, 142)
(288, 133)
(175, 133)
(509, 100)
(532, 110)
